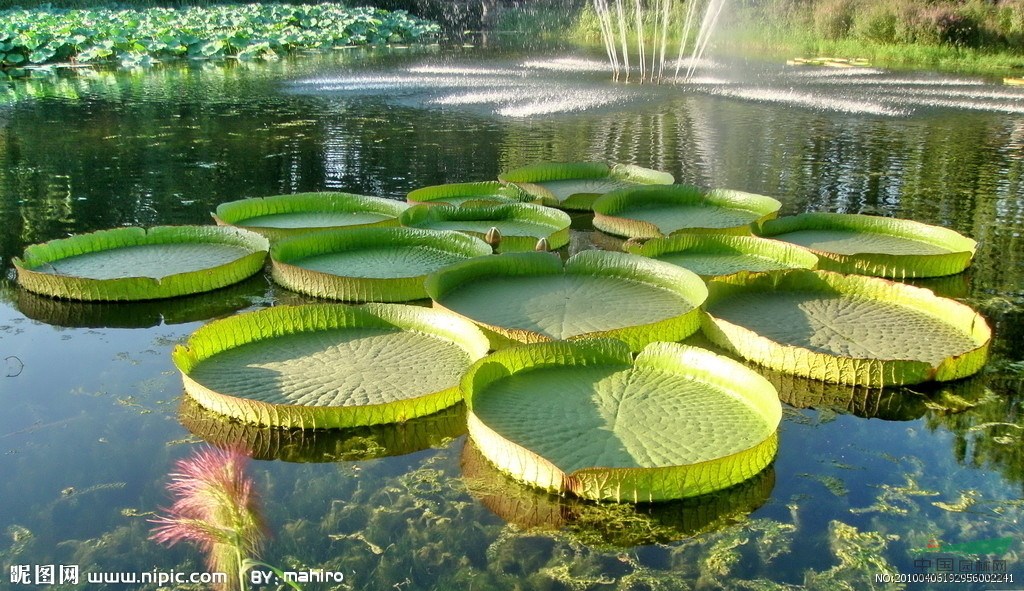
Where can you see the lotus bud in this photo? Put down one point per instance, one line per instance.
(542, 245)
(493, 238)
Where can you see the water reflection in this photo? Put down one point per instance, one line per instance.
(144, 314)
(323, 445)
(613, 524)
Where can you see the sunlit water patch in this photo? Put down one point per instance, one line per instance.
(573, 84)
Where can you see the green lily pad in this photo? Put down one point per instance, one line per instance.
(531, 297)
(369, 264)
(324, 445)
(575, 185)
(282, 216)
(714, 255)
(846, 328)
(329, 365)
(141, 264)
(614, 524)
(871, 245)
(521, 224)
(651, 212)
(485, 193)
(586, 418)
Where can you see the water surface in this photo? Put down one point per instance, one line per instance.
(91, 423)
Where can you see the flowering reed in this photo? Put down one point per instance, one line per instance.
(216, 507)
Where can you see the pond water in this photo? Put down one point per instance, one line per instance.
(865, 482)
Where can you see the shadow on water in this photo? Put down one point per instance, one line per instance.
(323, 445)
(616, 524)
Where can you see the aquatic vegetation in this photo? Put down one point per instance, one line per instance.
(675, 422)
(488, 192)
(534, 297)
(887, 333)
(870, 245)
(242, 31)
(369, 264)
(519, 226)
(717, 256)
(861, 556)
(664, 210)
(283, 216)
(141, 264)
(576, 185)
(329, 365)
(216, 507)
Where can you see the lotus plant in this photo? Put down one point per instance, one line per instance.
(215, 507)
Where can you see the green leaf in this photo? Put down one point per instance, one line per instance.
(650, 212)
(585, 418)
(521, 224)
(369, 264)
(846, 328)
(870, 245)
(575, 185)
(531, 297)
(329, 365)
(474, 193)
(717, 255)
(141, 264)
(281, 216)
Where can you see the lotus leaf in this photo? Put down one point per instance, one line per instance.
(871, 245)
(713, 255)
(651, 212)
(329, 365)
(531, 297)
(521, 224)
(586, 418)
(369, 264)
(846, 328)
(141, 264)
(473, 193)
(575, 185)
(281, 216)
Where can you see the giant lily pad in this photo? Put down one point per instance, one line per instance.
(282, 216)
(616, 524)
(329, 365)
(521, 224)
(490, 192)
(369, 264)
(714, 255)
(575, 185)
(531, 297)
(846, 328)
(140, 264)
(650, 212)
(586, 418)
(871, 245)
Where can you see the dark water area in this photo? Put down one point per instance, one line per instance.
(92, 416)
